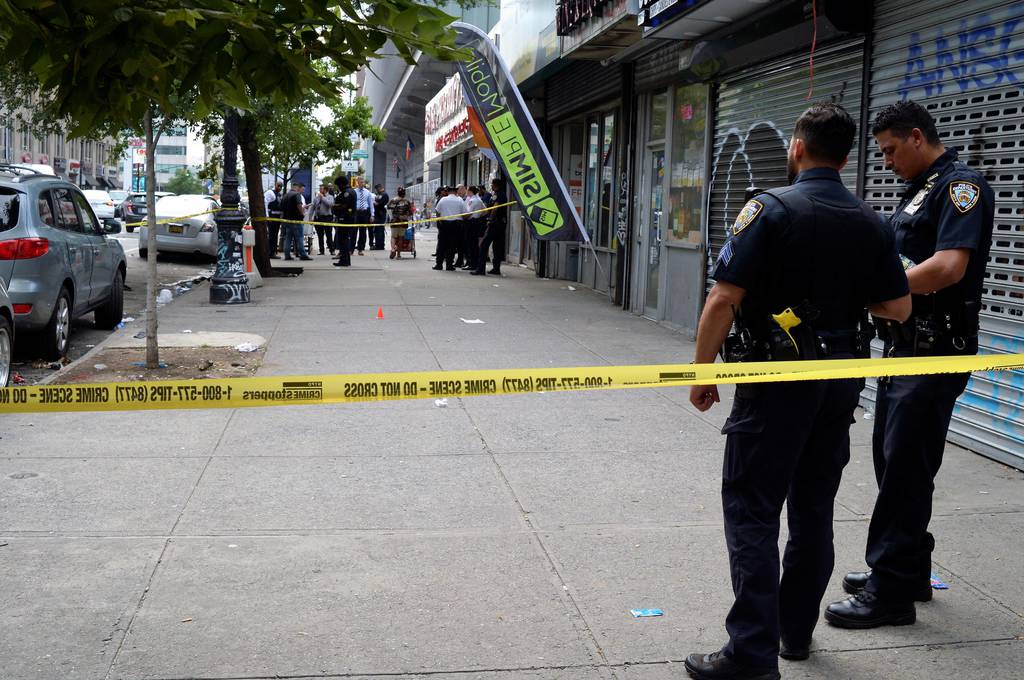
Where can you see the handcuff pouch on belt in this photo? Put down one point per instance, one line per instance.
(787, 336)
(935, 332)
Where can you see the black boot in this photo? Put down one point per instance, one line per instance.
(791, 651)
(855, 581)
(867, 610)
(717, 666)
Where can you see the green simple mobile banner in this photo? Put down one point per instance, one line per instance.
(492, 93)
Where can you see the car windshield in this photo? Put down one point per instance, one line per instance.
(96, 196)
(179, 206)
(118, 195)
(10, 206)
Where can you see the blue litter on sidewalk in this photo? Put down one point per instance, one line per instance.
(938, 584)
(640, 613)
(142, 364)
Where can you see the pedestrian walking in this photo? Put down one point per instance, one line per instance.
(321, 211)
(447, 208)
(800, 267)
(943, 229)
(272, 204)
(473, 228)
(292, 208)
(380, 217)
(494, 234)
(364, 216)
(401, 213)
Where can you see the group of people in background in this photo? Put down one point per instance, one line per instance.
(470, 222)
(466, 229)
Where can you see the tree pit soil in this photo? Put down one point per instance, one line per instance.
(182, 363)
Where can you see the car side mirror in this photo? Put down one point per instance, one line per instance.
(111, 226)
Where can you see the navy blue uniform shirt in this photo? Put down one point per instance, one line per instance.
(948, 206)
(823, 245)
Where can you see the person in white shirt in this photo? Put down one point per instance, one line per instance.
(272, 205)
(473, 228)
(364, 212)
(448, 227)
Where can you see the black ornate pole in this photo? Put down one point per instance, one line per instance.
(229, 286)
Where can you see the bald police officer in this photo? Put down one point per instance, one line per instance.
(815, 253)
(943, 229)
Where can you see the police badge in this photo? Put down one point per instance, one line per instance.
(749, 213)
(964, 194)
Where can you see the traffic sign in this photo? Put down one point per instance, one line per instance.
(350, 166)
(360, 153)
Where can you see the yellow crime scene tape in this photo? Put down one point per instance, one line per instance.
(381, 224)
(166, 220)
(352, 388)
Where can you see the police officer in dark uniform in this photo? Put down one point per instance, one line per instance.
(801, 266)
(344, 213)
(943, 229)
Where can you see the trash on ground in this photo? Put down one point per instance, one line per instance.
(100, 367)
(181, 289)
(142, 364)
(55, 365)
(938, 584)
(641, 613)
(441, 403)
(496, 285)
(164, 296)
(247, 347)
(186, 620)
(17, 379)
(127, 319)
(140, 335)
(205, 365)
(472, 320)
(119, 326)
(186, 331)
(571, 287)
(868, 415)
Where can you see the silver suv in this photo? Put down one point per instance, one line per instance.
(56, 259)
(6, 336)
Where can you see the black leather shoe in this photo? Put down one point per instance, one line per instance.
(855, 581)
(794, 652)
(496, 272)
(437, 268)
(477, 273)
(339, 264)
(866, 610)
(717, 666)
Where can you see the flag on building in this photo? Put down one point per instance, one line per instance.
(409, 146)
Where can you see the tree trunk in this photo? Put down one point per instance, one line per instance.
(252, 165)
(152, 349)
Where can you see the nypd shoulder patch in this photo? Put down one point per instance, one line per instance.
(964, 195)
(749, 213)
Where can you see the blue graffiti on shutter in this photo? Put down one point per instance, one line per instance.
(967, 55)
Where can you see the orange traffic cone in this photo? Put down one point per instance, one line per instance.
(380, 312)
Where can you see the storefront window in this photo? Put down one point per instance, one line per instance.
(686, 197)
(593, 166)
(659, 116)
(607, 182)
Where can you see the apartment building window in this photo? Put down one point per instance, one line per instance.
(170, 150)
(58, 145)
(8, 135)
(44, 145)
(26, 138)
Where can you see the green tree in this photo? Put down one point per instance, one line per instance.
(142, 64)
(184, 182)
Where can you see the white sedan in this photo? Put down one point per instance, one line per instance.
(101, 202)
(186, 225)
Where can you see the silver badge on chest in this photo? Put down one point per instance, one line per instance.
(918, 200)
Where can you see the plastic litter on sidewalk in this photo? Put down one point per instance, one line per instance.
(643, 613)
(164, 296)
(441, 403)
(471, 320)
(140, 335)
(247, 347)
(100, 367)
(938, 583)
(142, 364)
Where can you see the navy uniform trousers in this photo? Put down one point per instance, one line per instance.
(787, 443)
(912, 417)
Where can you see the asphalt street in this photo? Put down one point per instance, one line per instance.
(494, 537)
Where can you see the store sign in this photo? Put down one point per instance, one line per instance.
(136, 142)
(580, 20)
(446, 119)
(74, 166)
(60, 164)
(511, 135)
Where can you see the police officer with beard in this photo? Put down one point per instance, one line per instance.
(802, 264)
(943, 229)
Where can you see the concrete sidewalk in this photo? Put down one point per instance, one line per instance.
(497, 538)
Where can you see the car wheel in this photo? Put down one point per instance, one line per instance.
(58, 331)
(143, 253)
(110, 313)
(6, 350)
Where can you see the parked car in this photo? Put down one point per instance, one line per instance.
(6, 335)
(55, 258)
(118, 196)
(102, 203)
(196, 233)
(133, 208)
